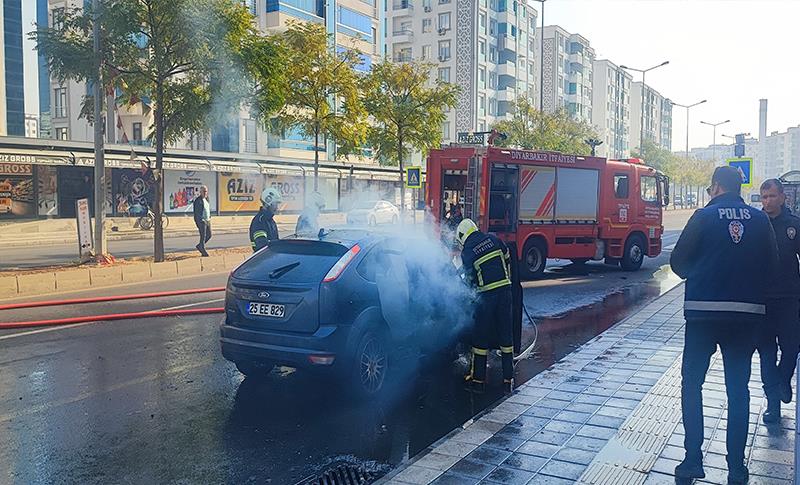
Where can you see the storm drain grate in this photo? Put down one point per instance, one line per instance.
(343, 474)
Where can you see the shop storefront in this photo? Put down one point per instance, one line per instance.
(17, 192)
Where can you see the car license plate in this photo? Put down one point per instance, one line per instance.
(266, 309)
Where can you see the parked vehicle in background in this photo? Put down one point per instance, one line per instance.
(677, 201)
(691, 200)
(553, 205)
(349, 304)
(755, 201)
(373, 212)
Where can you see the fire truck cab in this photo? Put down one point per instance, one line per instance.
(552, 205)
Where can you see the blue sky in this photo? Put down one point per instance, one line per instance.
(731, 52)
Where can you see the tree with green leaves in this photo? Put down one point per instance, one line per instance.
(407, 113)
(530, 128)
(197, 60)
(323, 99)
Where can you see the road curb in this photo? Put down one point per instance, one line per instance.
(104, 277)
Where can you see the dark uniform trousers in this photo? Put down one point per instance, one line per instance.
(493, 328)
(783, 324)
(736, 341)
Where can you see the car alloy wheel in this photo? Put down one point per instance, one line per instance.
(372, 365)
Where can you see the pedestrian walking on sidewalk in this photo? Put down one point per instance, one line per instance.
(202, 218)
(727, 254)
(782, 328)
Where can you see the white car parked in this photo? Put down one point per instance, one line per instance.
(373, 213)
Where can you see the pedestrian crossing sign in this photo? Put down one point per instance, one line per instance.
(745, 168)
(414, 177)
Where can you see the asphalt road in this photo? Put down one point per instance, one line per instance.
(153, 401)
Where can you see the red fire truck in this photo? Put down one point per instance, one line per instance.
(552, 205)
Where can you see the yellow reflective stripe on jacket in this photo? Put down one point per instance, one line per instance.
(477, 351)
(497, 284)
(507, 350)
(259, 234)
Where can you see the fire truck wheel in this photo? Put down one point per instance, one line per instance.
(534, 259)
(635, 251)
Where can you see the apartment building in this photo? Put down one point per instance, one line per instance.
(657, 113)
(12, 82)
(611, 108)
(486, 47)
(568, 73)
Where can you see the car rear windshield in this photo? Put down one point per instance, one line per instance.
(292, 261)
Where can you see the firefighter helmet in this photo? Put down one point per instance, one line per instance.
(271, 197)
(465, 228)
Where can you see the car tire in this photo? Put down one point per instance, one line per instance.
(254, 370)
(534, 259)
(635, 251)
(371, 364)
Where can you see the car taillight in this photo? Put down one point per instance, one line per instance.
(341, 264)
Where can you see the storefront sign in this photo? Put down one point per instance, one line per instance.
(182, 187)
(240, 192)
(82, 212)
(16, 190)
(291, 188)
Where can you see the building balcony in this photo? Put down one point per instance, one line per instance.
(402, 8)
(402, 36)
(506, 95)
(576, 57)
(507, 16)
(402, 57)
(507, 42)
(507, 69)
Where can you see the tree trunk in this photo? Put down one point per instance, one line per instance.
(158, 230)
(316, 160)
(402, 179)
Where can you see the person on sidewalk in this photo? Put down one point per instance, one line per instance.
(782, 327)
(263, 228)
(485, 262)
(202, 219)
(727, 254)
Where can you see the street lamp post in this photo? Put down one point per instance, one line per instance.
(541, 61)
(688, 107)
(641, 124)
(714, 145)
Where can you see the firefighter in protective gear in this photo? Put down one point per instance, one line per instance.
(486, 265)
(308, 222)
(263, 228)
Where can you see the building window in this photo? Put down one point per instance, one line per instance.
(62, 134)
(482, 50)
(482, 78)
(444, 74)
(355, 24)
(492, 107)
(482, 106)
(446, 130)
(483, 23)
(493, 80)
(444, 21)
(426, 52)
(492, 27)
(58, 18)
(427, 25)
(60, 108)
(444, 50)
(137, 132)
(250, 145)
(492, 54)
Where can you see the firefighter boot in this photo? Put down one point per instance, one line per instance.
(476, 379)
(507, 356)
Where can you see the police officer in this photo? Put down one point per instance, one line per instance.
(308, 222)
(485, 262)
(263, 228)
(726, 253)
(783, 305)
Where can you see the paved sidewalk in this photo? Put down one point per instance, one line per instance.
(607, 414)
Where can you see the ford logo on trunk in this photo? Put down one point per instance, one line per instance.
(263, 294)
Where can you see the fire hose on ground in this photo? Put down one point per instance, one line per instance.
(112, 316)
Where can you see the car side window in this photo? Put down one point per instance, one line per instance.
(368, 266)
(649, 189)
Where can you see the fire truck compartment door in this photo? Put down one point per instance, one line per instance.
(537, 193)
(577, 194)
